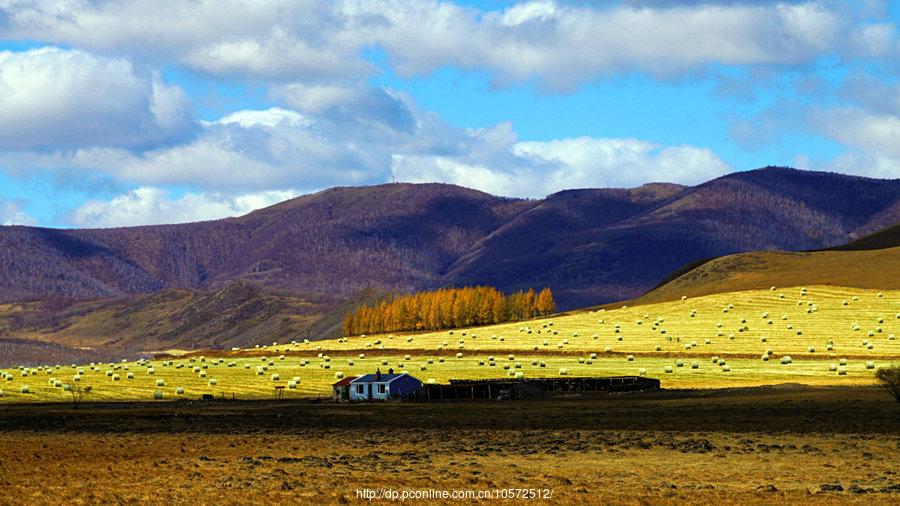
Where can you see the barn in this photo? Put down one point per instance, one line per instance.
(382, 387)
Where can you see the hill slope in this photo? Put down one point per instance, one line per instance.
(240, 314)
(590, 246)
(872, 261)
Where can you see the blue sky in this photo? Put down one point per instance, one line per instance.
(116, 113)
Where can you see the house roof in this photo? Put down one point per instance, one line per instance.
(345, 382)
(372, 378)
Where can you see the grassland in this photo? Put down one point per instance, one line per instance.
(859, 326)
(748, 446)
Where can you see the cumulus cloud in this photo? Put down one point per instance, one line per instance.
(563, 45)
(872, 136)
(272, 39)
(536, 169)
(11, 213)
(248, 149)
(872, 132)
(149, 205)
(58, 98)
(559, 44)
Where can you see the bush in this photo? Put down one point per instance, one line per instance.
(889, 378)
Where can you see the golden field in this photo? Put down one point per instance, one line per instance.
(858, 325)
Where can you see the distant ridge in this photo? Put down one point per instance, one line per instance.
(590, 246)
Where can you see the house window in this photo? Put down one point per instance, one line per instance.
(360, 389)
(382, 388)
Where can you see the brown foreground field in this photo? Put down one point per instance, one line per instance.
(781, 444)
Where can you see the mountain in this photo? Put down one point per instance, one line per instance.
(590, 246)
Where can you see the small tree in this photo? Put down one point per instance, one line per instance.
(889, 377)
(544, 303)
(78, 392)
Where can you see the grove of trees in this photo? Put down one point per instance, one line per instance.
(448, 308)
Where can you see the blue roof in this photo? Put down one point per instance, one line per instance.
(371, 378)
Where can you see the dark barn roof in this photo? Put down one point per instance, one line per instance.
(373, 378)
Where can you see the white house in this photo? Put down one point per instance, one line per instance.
(383, 386)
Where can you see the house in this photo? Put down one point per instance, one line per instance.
(340, 391)
(383, 386)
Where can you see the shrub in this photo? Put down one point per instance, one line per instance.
(889, 378)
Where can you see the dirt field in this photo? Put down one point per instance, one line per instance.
(784, 444)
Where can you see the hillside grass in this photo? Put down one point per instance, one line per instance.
(820, 315)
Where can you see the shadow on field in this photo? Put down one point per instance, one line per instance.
(782, 408)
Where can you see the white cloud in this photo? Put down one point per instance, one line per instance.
(149, 205)
(57, 98)
(872, 136)
(270, 39)
(536, 169)
(11, 213)
(272, 118)
(865, 164)
(563, 45)
(872, 132)
(559, 44)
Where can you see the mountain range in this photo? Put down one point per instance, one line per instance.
(590, 246)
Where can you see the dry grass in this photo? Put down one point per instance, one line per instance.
(728, 448)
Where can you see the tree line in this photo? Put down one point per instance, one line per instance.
(448, 308)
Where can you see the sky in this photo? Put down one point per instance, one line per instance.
(135, 112)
